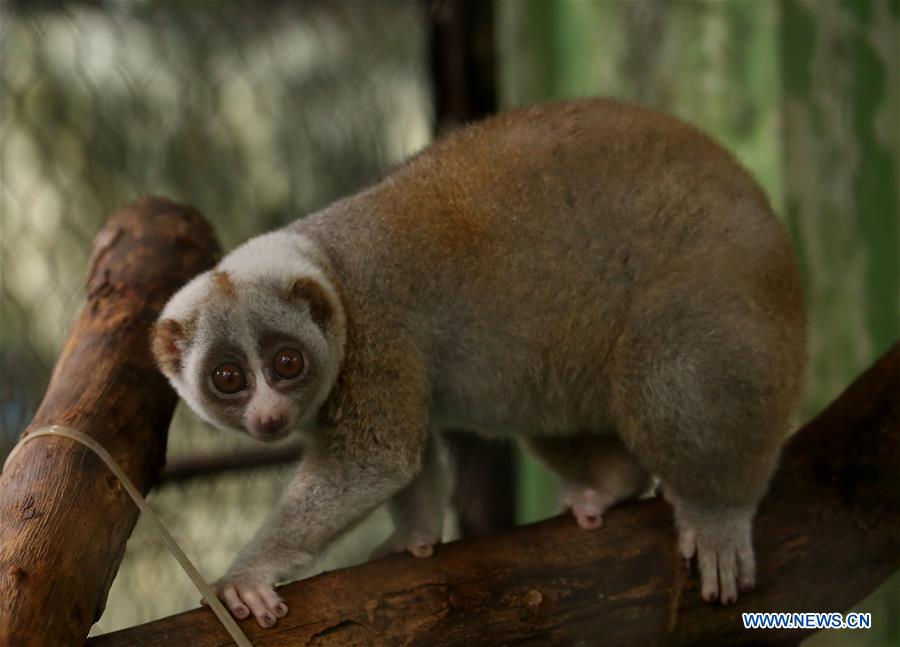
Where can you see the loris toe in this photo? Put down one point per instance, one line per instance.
(722, 541)
(588, 507)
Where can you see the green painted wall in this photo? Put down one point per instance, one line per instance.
(841, 125)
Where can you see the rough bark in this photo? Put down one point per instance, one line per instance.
(827, 534)
(64, 518)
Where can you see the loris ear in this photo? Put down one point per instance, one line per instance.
(309, 290)
(166, 336)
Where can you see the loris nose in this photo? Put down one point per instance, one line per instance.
(271, 424)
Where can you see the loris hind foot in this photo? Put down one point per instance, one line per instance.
(721, 538)
(418, 509)
(417, 543)
(597, 471)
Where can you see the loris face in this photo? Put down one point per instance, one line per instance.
(255, 343)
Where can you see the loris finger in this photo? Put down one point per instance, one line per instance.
(264, 616)
(272, 600)
(231, 599)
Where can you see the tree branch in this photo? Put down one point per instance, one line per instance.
(64, 518)
(827, 534)
(186, 468)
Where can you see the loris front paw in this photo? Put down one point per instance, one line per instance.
(245, 593)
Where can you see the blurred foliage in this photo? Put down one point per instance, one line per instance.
(256, 115)
(805, 93)
(259, 113)
(841, 128)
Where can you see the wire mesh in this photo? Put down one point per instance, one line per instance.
(253, 113)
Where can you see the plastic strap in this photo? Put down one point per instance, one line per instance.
(217, 607)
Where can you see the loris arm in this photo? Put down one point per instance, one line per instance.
(327, 494)
(371, 447)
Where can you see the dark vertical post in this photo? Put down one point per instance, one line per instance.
(465, 89)
(462, 61)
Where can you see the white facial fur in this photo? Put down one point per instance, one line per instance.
(243, 312)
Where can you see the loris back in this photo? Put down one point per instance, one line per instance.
(526, 253)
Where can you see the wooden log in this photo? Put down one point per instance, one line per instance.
(827, 534)
(186, 468)
(64, 518)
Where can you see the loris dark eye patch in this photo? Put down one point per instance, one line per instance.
(229, 379)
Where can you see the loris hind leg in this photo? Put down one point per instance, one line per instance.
(597, 472)
(418, 509)
(705, 404)
(715, 457)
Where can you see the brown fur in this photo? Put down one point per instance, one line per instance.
(663, 221)
(601, 280)
(224, 284)
(583, 267)
(311, 291)
(165, 336)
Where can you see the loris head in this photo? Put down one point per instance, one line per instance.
(257, 342)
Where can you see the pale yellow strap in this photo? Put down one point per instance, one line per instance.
(221, 612)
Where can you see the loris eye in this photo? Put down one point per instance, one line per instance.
(229, 378)
(287, 363)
